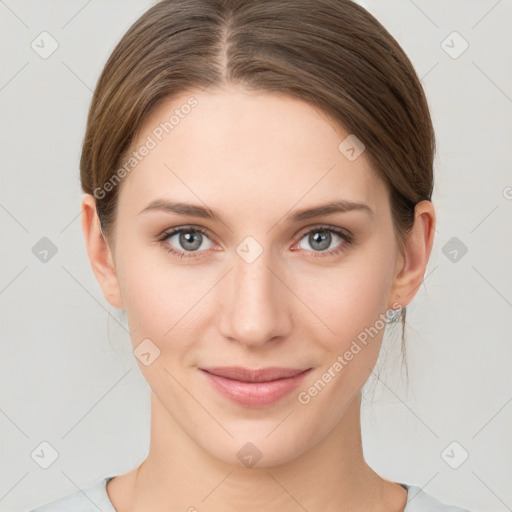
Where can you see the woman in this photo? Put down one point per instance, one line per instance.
(258, 180)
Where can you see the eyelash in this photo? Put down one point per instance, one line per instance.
(347, 238)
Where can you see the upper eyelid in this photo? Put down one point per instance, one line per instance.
(201, 229)
(325, 227)
(304, 231)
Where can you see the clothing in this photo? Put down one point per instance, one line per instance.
(95, 498)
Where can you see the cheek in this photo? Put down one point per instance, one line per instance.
(348, 298)
(161, 299)
(355, 309)
(147, 293)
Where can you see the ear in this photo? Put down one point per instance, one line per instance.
(99, 252)
(412, 264)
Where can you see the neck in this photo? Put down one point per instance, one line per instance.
(179, 475)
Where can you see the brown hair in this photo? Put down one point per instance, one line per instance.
(332, 54)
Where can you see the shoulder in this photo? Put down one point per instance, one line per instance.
(90, 499)
(420, 501)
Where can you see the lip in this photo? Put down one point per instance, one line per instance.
(255, 388)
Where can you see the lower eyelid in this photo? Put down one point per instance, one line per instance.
(346, 239)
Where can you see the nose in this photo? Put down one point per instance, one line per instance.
(255, 305)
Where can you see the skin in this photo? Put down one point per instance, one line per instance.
(254, 157)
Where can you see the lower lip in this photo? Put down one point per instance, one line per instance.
(255, 394)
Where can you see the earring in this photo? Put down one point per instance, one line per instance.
(393, 315)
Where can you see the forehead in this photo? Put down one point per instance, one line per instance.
(238, 147)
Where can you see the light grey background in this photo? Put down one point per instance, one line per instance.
(68, 376)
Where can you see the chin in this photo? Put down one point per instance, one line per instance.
(260, 447)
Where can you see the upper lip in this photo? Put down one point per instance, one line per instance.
(256, 375)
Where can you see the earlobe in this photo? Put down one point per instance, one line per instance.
(100, 254)
(417, 249)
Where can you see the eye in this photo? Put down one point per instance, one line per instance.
(190, 241)
(321, 240)
(189, 238)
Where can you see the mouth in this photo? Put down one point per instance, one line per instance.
(256, 375)
(254, 388)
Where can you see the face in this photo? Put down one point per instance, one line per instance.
(256, 284)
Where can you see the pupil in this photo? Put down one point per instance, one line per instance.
(323, 239)
(187, 238)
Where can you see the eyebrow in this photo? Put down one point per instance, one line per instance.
(194, 210)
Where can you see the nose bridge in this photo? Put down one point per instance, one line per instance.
(254, 310)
